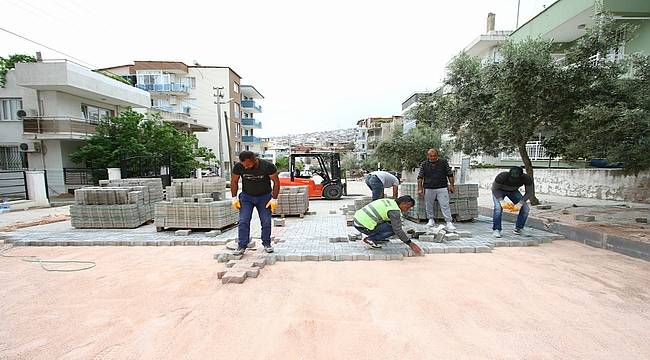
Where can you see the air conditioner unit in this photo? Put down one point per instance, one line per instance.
(31, 147)
(26, 112)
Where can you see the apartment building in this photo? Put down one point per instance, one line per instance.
(251, 124)
(191, 93)
(47, 111)
(372, 130)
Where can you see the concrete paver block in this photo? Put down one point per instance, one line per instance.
(464, 234)
(467, 249)
(641, 220)
(543, 207)
(427, 238)
(213, 233)
(234, 277)
(452, 249)
(184, 232)
(451, 237)
(483, 249)
(587, 218)
(278, 222)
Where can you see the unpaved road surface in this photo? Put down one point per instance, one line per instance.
(560, 300)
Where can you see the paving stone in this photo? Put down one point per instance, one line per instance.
(587, 218)
(641, 220)
(483, 249)
(332, 212)
(514, 243)
(310, 258)
(467, 249)
(192, 242)
(310, 213)
(451, 237)
(362, 257)
(271, 259)
(500, 243)
(452, 249)
(213, 233)
(326, 257)
(234, 277)
(184, 232)
(436, 250)
(427, 238)
(164, 243)
(293, 257)
(395, 257)
(543, 207)
(464, 234)
(278, 222)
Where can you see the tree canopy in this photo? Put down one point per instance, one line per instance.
(406, 151)
(133, 134)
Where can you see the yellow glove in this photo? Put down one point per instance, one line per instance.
(510, 207)
(272, 204)
(518, 206)
(235, 203)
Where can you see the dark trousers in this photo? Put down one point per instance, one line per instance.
(248, 203)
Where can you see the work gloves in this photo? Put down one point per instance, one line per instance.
(272, 204)
(510, 206)
(236, 204)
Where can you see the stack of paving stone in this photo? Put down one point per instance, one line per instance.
(195, 213)
(215, 187)
(111, 207)
(153, 191)
(463, 202)
(293, 200)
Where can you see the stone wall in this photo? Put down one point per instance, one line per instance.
(605, 184)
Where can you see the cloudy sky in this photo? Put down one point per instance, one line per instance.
(321, 65)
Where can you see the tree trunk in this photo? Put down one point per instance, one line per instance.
(529, 168)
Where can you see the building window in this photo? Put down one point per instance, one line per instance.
(191, 82)
(94, 113)
(248, 148)
(9, 108)
(235, 87)
(237, 110)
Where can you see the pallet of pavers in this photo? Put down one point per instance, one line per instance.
(463, 203)
(293, 201)
(197, 212)
(111, 207)
(153, 190)
(214, 186)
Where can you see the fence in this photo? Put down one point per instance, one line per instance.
(148, 167)
(11, 158)
(13, 185)
(82, 176)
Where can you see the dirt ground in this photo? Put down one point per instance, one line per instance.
(560, 300)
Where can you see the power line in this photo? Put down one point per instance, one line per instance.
(45, 46)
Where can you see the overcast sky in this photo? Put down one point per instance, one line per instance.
(320, 65)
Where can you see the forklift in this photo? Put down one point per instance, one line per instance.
(328, 167)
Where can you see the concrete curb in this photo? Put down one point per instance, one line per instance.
(623, 245)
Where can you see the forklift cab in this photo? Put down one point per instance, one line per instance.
(324, 177)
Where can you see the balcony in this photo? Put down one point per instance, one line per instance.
(168, 88)
(59, 127)
(251, 123)
(250, 139)
(68, 77)
(250, 106)
(535, 151)
(181, 121)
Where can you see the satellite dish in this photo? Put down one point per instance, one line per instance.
(21, 113)
(24, 146)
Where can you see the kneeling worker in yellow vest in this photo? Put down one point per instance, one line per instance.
(382, 219)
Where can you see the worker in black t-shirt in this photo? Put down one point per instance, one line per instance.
(507, 184)
(256, 175)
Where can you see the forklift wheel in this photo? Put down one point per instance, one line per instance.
(332, 192)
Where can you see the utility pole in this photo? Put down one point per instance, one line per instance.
(219, 96)
(517, 22)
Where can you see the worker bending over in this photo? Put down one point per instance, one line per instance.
(507, 184)
(256, 177)
(377, 181)
(382, 219)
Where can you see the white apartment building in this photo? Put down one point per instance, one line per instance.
(251, 109)
(372, 130)
(47, 111)
(190, 93)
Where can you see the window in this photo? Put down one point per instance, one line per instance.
(235, 87)
(248, 148)
(94, 113)
(237, 110)
(190, 82)
(9, 108)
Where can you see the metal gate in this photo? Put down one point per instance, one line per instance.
(13, 185)
(11, 158)
(147, 167)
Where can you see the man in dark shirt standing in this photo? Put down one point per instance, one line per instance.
(433, 185)
(256, 177)
(507, 184)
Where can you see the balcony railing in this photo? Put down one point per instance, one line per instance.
(59, 127)
(250, 104)
(251, 123)
(535, 151)
(169, 87)
(82, 176)
(250, 139)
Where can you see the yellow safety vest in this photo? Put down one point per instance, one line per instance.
(376, 212)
